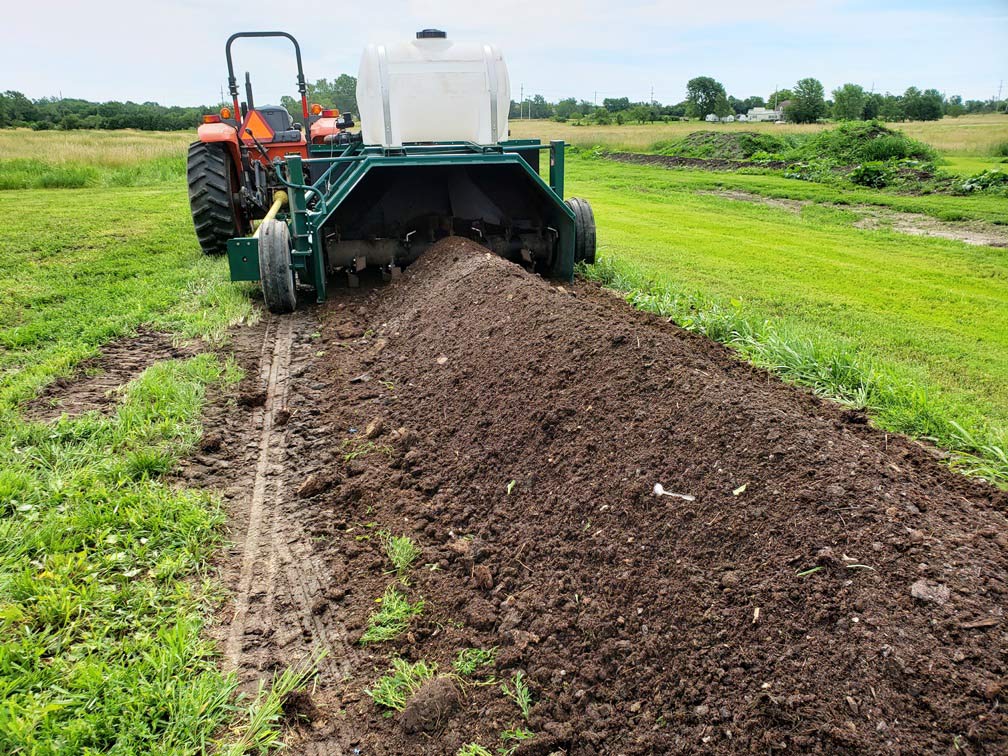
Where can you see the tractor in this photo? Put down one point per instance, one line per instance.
(296, 204)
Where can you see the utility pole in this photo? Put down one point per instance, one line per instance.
(521, 104)
(595, 99)
(652, 95)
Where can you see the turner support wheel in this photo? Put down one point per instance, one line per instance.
(275, 270)
(215, 214)
(584, 230)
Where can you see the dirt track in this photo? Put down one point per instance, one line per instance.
(828, 588)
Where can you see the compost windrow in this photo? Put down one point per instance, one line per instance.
(814, 585)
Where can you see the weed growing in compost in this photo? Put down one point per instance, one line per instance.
(392, 618)
(512, 738)
(394, 689)
(519, 693)
(470, 660)
(473, 749)
(354, 448)
(259, 731)
(402, 551)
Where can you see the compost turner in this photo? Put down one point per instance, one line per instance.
(294, 204)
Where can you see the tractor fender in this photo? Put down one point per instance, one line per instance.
(322, 128)
(221, 132)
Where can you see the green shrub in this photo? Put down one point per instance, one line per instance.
(873, 175)
(856, 142)
(984, 181)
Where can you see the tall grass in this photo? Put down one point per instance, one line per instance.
(30, 173)
(103, 149)
(830, 367)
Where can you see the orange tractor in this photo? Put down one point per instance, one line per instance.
(230, 174)
(433, 158)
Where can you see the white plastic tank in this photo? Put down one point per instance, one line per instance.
(432, 89)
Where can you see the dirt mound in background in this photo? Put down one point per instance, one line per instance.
(814, 585)
(726, 145)
(709, 164)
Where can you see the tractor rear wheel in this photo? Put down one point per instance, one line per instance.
(212, 196)
(584, 230)
(275, 270)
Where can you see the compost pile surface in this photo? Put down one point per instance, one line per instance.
(815, 585)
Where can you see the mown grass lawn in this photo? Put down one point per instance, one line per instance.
(930, 311)
(104, 588)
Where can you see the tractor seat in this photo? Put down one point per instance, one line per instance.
(281, 122)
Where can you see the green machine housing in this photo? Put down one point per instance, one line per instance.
(352, 206)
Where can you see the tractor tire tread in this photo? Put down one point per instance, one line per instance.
(275, 271)
(208, 173)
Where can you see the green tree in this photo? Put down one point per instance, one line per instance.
(891, 108)
(872, 106)
(565, 108)
(704, 95)
(616, 104)
(954, 107)
(849, 102)
(777, 97)
(807, 102)
(539, 108)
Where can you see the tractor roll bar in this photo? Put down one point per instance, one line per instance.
(233, 82)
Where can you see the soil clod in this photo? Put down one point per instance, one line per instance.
(430, 706)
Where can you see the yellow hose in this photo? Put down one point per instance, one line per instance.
(279, 200)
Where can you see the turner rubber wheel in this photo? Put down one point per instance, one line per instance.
(584, 230)
(211, 176)
(275, 270)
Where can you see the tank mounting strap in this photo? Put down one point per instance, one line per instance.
(383, 79)
(491, 69)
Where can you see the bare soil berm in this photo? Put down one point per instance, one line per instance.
(816, 585)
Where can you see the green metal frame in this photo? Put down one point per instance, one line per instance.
(313, 205)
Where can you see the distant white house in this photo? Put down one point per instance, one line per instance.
(742, 117)
(764, 114)
(711, 118)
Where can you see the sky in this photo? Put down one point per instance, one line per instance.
(172, 51)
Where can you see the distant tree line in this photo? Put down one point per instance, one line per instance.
(805, 102)
(69, 113)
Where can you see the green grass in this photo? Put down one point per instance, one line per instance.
(512, 738)
(29, 173)
(643, 180)
(970, 166)
(258, 729)
(392, 617)
(519, 692)
(402, 551)
(470, 660)
(473, 749)
(394, 689)
(81, 267)
(914, 327)
(104, 582)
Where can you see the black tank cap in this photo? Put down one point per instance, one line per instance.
(431, 34)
